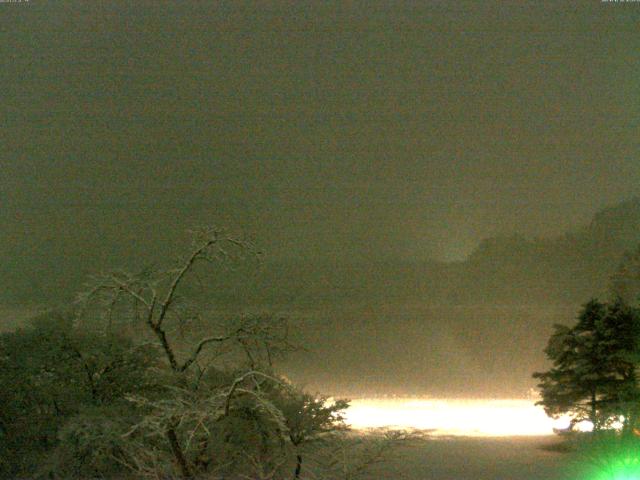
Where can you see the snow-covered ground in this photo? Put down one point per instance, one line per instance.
(475, 458)
(465, 439)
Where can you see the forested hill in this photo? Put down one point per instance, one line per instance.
(505, 270)
(569, 268)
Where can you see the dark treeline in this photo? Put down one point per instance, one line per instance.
(501, 270)
(38, 268)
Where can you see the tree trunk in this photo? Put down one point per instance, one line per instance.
(298, 466)
(162, 336)
(178, 454)
(594, 412)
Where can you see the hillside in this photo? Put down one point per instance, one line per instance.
(506, 270)
(567, 269)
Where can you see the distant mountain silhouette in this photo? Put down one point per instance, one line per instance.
(569, 268)
(509, 269)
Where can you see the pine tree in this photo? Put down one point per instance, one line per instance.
(593, 376)
(620, 346)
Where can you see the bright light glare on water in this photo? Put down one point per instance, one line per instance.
(454, 417)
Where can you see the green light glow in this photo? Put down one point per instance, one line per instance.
(621, 470)
(624, 466)
(607, 455)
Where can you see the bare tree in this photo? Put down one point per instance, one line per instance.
(353, 457)
(151, 298)
(221, 410)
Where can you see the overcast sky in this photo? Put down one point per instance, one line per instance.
(355, 129)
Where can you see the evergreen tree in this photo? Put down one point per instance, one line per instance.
(593, 376)
(620, 347)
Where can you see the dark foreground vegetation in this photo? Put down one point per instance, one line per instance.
(594, 373)
(135, 381)
(594, 382)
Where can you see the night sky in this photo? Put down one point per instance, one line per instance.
(406, 130)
